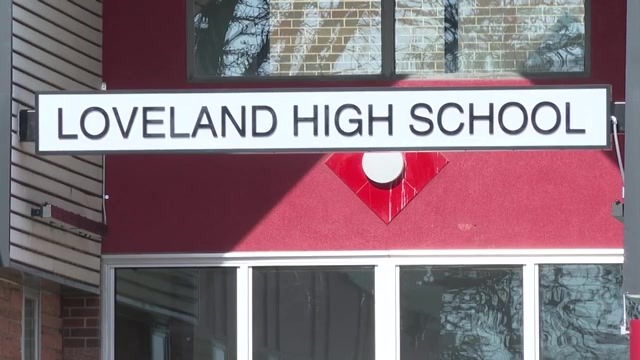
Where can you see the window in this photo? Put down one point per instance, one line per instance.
(350, 306)
(462, 312)
(176, 313)
(31, 325)
(159, 343)
(311, 38)
(313, 313)
(580, 311)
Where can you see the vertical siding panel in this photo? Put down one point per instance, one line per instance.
(6, 109)
(57, 45)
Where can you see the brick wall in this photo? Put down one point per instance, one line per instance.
(11, 307)
(10, 315)
(69, 329)
(50, 324)
(81, 327)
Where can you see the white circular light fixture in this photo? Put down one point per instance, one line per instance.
(383, 167)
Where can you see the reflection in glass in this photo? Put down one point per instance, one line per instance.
(581, 312)
(313, 313)
(175, 314)
(484, 37)
(286, 37)
(462, 313)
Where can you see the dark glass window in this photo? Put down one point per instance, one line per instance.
(313, 313)
(581, 311)
(471, 38)
(461, 312)
(166, 314)
(31, 328)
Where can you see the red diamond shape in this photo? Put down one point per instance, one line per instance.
(420, 168)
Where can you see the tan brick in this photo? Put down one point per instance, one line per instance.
(73, 301)
(73, 342)
(84, 332)
(51, 354)
(73, 322)
(51, 321)
(93, 343)
(10, 346)
(84, 312)
(51, 339)
(81, 354)
(11, 313)
(14, 327)
(10, 295)
(10, 275)
(50, 303)
(96, 322)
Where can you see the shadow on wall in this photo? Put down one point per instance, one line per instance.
(229, 215)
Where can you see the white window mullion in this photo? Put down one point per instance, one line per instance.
(108, 312)
(385, 312)
(530, 311)
(396, 293)
(244, 337)
(536, 308)
(31, 324)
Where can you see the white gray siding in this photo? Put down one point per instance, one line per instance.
(5, 127)
(57, 45)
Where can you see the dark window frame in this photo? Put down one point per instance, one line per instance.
(388, 66)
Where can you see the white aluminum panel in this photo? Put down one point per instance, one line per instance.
(73, 56)
(54, 266)
(68, 162)
(77, 12)
(61, 19)
(22, 219)
(36, 196)
(60, 34)
(54, 62)
(50, 76)
(56, 188)
(54, 250)
(38, 165)
(93, 6)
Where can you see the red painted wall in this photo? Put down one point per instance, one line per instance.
(213, 203)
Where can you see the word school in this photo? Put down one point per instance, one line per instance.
(323, 121)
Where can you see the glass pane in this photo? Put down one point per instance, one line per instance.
(175, 314)
(313, 313)
(489, 37)
(581, 312)
(286, 37)
(29, 338)
(460, 312)
(159, 345)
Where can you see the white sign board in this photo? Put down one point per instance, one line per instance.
(324, 120)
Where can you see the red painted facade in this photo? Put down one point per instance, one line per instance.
(217, 203)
